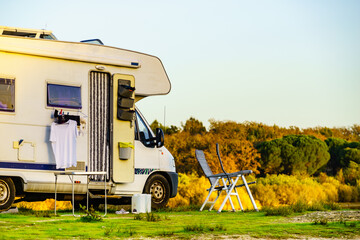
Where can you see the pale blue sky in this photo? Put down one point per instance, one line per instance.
(283, 62)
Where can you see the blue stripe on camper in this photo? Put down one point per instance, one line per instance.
(30, 166)
(52, 167)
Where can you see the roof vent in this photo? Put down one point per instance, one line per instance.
(93, 41)
(27, 33)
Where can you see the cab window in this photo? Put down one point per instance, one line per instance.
(143, 133)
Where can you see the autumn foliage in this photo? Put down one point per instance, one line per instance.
(290, 164)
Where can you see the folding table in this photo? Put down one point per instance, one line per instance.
(71, 177)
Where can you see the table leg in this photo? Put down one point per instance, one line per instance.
(105, 176)
(72, 198)
(87, 192)
(55, 192)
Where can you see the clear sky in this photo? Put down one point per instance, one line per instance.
(283, 62)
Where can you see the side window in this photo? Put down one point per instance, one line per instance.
(144, 133)
(63, 96)
(7, 95)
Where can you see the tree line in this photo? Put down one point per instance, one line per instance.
(266, 149)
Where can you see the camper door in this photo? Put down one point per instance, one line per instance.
(123, 134)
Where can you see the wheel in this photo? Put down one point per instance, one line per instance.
(7, 193)
(159, 188)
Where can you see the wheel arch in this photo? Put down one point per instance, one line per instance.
(18, 182)
(19, 185)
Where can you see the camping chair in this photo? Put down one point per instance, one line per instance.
(223, 182)
(214, 179)
(232, 183)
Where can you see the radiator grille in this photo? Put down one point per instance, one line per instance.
(99, 124)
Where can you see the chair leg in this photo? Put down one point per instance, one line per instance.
(248, 191)
(231, 183)
(213, 203)
(226, 185)
(238, 198)
(229, 191)
(208, 196)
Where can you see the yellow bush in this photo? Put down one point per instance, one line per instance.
(331, 192)
(347, 193)
(48, 204)
(268, 195)
(274, 190)
(192, 191)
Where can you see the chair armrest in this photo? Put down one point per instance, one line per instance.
(220, 175)
(243, 172)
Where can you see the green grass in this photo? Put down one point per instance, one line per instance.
(299, 207)
(183, 225)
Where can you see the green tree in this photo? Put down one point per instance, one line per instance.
(336, 146)
(293, 154)
(352, 173)
(342, 152)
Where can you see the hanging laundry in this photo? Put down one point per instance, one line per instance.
(63, 142)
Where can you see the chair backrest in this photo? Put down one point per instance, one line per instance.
(218, 154)
(200, 157)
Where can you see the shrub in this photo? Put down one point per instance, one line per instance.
(194, 228)
(91, 215)
(332, 206)
(299, 207)
(347, 193)
(202, 228)
(48, 204)
(275, 190)
(318, 206)
(320, 220)
(278, 211)
(151, 217)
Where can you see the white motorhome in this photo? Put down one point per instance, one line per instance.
(43, 80)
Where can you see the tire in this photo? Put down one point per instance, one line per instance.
(7, 193)
(159, 188)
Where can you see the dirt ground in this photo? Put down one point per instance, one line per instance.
(330, 216)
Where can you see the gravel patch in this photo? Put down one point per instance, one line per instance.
(330, 216)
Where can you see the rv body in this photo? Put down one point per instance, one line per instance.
(42, 79)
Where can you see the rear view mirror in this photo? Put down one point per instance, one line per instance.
(159, 138)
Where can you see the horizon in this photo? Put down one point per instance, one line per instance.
(260, 123)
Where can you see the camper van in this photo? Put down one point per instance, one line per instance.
(70, 107)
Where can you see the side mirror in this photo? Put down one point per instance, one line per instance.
(142, 137)
(159, 138)
(146, 141)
